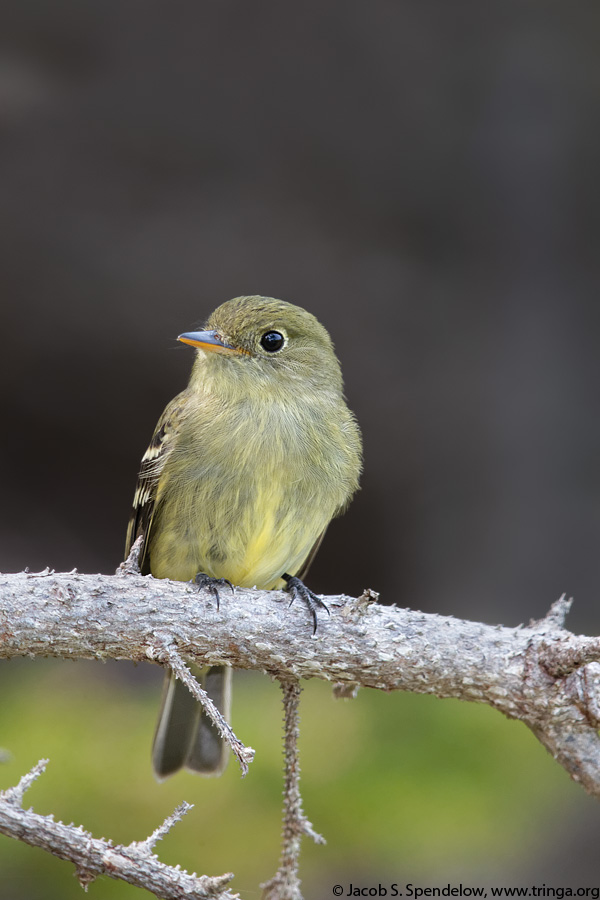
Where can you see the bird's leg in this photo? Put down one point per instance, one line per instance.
(202, 580)
(298, 591)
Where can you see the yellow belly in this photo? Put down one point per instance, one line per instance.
(247, 490)
(250, 538)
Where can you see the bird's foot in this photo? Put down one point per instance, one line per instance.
(212, 585)
(298, 591)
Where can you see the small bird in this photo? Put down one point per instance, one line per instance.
(244, 472)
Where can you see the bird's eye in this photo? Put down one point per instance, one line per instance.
(271, 341)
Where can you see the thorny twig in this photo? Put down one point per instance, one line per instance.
(134, 863)
(243, 754)
(285, 885)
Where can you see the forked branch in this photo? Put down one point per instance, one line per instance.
(134, 863)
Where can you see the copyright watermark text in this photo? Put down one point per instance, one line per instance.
(462, 890)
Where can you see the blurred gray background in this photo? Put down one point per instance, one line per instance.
(422, 176)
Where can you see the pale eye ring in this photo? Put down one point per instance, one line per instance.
(272, 341)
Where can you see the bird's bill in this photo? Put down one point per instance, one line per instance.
(207, 340)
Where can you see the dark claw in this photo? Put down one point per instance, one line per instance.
(299, 591)
(206, 581)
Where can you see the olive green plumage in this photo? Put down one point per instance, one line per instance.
(248, 465)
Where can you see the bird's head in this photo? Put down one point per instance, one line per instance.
(266, 340)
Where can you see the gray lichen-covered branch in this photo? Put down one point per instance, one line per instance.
(134, 863)
(286, 883)
(541, 673)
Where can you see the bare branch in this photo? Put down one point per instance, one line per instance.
(158, 834)
(285, 885)
(134, 863)
(243, 754)
(541, 674)
(14, 795)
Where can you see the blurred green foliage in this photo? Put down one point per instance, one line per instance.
(393, 781)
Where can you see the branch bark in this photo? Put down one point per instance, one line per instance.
(134, 863)
(285, 884)
(541, 674)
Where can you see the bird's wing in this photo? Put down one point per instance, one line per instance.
(153, 462)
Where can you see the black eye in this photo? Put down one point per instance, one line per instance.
(272, 341)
